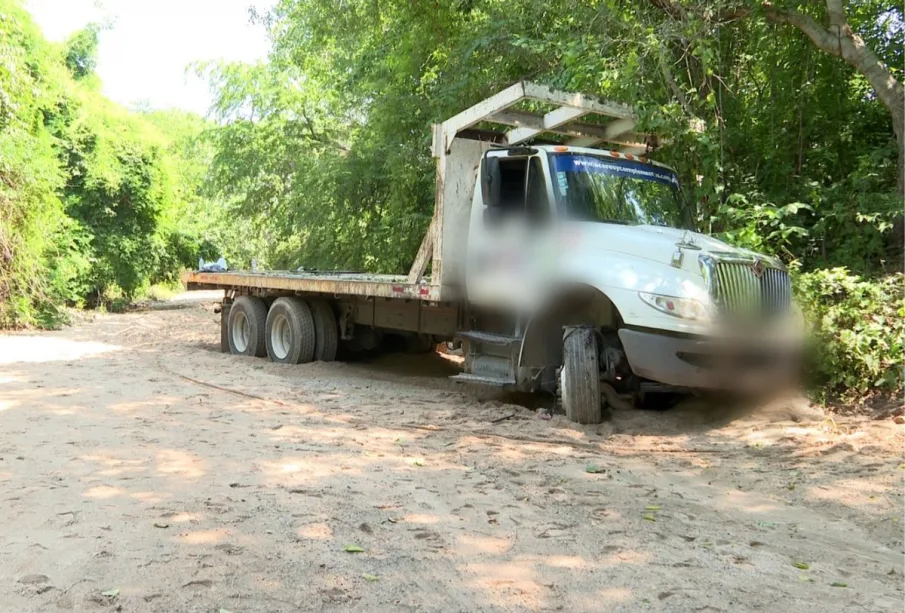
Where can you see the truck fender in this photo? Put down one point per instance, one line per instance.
(541, 345)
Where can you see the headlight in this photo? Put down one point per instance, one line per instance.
(686, 308)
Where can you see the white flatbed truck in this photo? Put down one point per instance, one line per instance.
(561, 267)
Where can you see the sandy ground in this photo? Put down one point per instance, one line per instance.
(137, 461)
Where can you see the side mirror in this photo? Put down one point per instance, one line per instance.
(493, 215)
(490, 182)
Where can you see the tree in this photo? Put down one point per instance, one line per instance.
(840, 40)
(81, 51)
(30, 178)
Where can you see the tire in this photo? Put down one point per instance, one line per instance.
(416, 344)
(289, 332)
(579, 378)
(326, 330)
(245, 327)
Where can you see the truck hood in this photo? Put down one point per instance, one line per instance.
(655, 243)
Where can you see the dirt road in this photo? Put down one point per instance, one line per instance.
(141, 470)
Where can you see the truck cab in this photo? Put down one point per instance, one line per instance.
(608, 236)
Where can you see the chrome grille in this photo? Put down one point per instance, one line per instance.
(738, 289)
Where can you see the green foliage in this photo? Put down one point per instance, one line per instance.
(97, 203)
(859, 329)
(117, 189)
(765, 228)
(81, 52)
(30, 207)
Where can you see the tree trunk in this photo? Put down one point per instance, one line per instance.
(839, 40)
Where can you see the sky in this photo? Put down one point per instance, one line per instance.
(142, 58)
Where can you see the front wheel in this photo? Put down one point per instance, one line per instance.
(580, 376)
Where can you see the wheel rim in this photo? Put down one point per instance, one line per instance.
(280, 337)
(241, 332)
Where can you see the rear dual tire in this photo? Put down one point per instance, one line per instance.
(326, 331)
(291, 331)
(245, 327)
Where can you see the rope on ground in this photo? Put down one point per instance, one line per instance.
(593, 446)
(554, 442)
(503, 418)
(226, 389)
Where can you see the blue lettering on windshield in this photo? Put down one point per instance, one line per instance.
(617, 168)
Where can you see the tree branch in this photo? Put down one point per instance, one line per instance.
(851, 48)
(320, 138)
(839, 40)
(818, 34)
(671, 81)
(676, 11)
(835, 9)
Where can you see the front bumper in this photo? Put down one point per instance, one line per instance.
(702, 363)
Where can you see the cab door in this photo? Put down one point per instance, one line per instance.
(509, 232)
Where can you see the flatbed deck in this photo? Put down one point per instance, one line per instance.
(327, 282)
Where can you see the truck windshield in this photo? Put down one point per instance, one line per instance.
(606, 190)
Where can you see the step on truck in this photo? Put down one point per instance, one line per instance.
(559, 255)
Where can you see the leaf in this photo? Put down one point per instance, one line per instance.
(111, 593)
(649, 517)
(838, 584)
(805, 579)
(418, 462)
(353, 549)
(652, 507)
(222, 610)
(801, 565)
(594, 469)
(369, 577)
